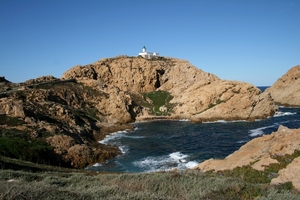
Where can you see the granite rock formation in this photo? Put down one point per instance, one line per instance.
(286, 90)
(71, 117)
(197, 95)
(260, 153)
(73, 113)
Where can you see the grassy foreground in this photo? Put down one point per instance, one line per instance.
(42, 182)
(164, 185)
(27, 180)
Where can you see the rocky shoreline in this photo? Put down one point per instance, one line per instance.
(74, 112)
(260, 153)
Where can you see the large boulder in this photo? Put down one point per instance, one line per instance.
(286, 90)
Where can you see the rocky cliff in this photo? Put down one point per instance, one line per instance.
(72, 113)
(196, 95)
(286, 90)
(261, 152)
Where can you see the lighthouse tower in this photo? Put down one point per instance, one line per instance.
(146, 54)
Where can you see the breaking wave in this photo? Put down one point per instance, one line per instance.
(167, 145)
(281, 114)
(172, 161)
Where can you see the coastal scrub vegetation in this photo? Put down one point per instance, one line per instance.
(158, 99)
(28, 180)
(10, 121)
(17, 144)
(254, 176)
(189, 184)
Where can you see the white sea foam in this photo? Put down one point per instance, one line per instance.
(280, 114)
(177, 156)
(134, 136)
(97, 165)
(242, 141)
(259, 131)
(184, 120)
(117, 135)
(165, 163)
(123, 148)
(113, 136)
(224, 121)
(191, 164)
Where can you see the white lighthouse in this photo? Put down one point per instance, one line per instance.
(146, 54)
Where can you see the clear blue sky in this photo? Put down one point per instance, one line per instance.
(255, 41)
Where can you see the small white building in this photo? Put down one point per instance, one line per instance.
(147, 55)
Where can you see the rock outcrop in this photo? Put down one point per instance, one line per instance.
(286, 90)
(197, 95)
(71, 117)
(74, 112)
(289, 174)
(260, 152)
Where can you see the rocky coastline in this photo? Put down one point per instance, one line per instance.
(74, 112)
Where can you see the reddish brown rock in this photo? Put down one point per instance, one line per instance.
(286, 90)
(197, 95)
(259, 153)
(74, 112)
(289, 174)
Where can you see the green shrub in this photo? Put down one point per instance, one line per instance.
(159, 98)
(35, 150)
(10, 121)
(187, 185)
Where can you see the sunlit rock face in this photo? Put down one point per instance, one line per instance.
(197, 95)
(88, 102)
(259, 153)
(286, 90)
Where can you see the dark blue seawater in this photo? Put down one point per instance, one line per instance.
(165, 145)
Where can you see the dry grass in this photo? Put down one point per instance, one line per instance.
(183, 185)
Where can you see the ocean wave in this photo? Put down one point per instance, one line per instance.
(260, 131)
(112, 136)
(123, 148)
(169, 162)
(280, 114)
(97, 165)
(224, 121)
(118, 135)
(184, 120)
(242, 141)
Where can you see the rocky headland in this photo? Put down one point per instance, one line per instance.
(195, 94)
(286, 90)
(72, 113)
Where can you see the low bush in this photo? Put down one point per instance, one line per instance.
(183, 185)
(34, 150)
(10, 121)
(159, 98)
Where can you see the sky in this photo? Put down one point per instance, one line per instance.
(254, 41)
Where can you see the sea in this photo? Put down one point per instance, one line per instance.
(165, 145)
